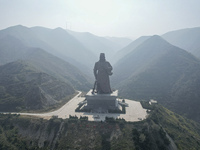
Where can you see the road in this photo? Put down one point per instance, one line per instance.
(134, 112)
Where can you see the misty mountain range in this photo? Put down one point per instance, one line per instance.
(25, 87)
(158, 70)
(165, 68)
(187, 39)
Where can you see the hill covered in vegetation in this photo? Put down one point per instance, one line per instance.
(163, 129)
(23, 87)
(158, 70)
(13, 49)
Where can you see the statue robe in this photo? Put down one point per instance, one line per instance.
(102, 70)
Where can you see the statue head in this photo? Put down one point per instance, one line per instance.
(102, 57)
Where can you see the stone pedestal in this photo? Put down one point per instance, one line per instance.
(101, 102)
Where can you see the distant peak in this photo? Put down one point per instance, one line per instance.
(156, 38)
(59, 29)
(18, 27)
(40, 27)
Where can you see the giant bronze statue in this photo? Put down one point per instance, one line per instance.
(102, 71)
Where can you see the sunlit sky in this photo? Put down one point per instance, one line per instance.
(119, 18)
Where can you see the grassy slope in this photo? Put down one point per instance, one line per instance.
(184, 132)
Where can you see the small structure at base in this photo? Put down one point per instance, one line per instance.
(101, 103)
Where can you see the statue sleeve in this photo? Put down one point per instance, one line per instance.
(109, 66)
(109, 69)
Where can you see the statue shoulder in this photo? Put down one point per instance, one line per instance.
(96, 65)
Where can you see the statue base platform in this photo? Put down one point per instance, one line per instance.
(100, 103)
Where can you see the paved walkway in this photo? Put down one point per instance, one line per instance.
(134, 112)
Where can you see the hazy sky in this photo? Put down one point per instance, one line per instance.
(122, 18)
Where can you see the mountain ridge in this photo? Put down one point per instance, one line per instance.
(127, 49)
(55, 41)
(23, 87)
(187, 39)
(158, 70)
(42, 60)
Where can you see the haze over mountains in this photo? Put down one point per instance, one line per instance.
(158, 70)
(13, 49)
(187, 39)
(97, 45)
(48, 52)
(127, 49)
(147, 68)
(81, 49)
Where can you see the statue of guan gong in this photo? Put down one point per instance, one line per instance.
(102, 71)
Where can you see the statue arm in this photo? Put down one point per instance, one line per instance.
(95, 71)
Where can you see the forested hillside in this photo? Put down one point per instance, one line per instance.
(23, 87)
(162, 130)
(158, 70)
(32, 79)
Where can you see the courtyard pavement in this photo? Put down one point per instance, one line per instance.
(134, 112)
